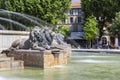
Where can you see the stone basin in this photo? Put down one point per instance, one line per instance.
(42, 59)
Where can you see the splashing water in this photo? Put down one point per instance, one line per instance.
(22, 20)
(95, 61)
(14, 22)
(2, 27)
(87, 57)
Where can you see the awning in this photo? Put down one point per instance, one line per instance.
(76, 35)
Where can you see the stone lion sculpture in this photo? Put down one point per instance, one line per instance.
(39, 39)
(53, 39)
(36, 40)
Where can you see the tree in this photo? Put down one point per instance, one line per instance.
(103, 10)
(51, 11)
(63, 30)
(115, 28)
(90, 29)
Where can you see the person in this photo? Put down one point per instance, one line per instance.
(99, 45)
(108, 45)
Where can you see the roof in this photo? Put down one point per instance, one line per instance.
(75, 5)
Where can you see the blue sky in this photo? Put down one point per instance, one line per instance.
(75, 0)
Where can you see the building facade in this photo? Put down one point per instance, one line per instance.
(75, 22)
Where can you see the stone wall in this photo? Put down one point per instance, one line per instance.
(7, 37)
(8, 63)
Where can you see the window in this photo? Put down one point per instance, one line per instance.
(71, 12)
(71, 19)
(79, 19)
(75, 12)
(76, 20)
(79, 28)
(79, 11)
(71, 28)
(66, 21)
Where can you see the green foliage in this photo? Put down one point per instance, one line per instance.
(90, 29)
(51, 11)
(106, 9)
(115, 28)
(63, 30)
(103, 10)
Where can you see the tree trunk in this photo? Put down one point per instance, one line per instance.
(89, 44)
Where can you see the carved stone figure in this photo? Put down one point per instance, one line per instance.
(59, 38)
(21, 44)
(37, 39)
(47, 34)
(40, 39)
(53, 39)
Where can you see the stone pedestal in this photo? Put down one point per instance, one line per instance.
(8, 63)
(42, 59)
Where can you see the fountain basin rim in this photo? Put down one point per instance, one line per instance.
(97, 50)
(8, 32)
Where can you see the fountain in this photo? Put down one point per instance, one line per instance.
(96, 66)
(42, 48)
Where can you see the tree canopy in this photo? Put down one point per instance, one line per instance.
(90, 29)
(63, 30)
(115, 28)
(49, 10)
(103, 10)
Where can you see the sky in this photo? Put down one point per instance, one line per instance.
(75, 0)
